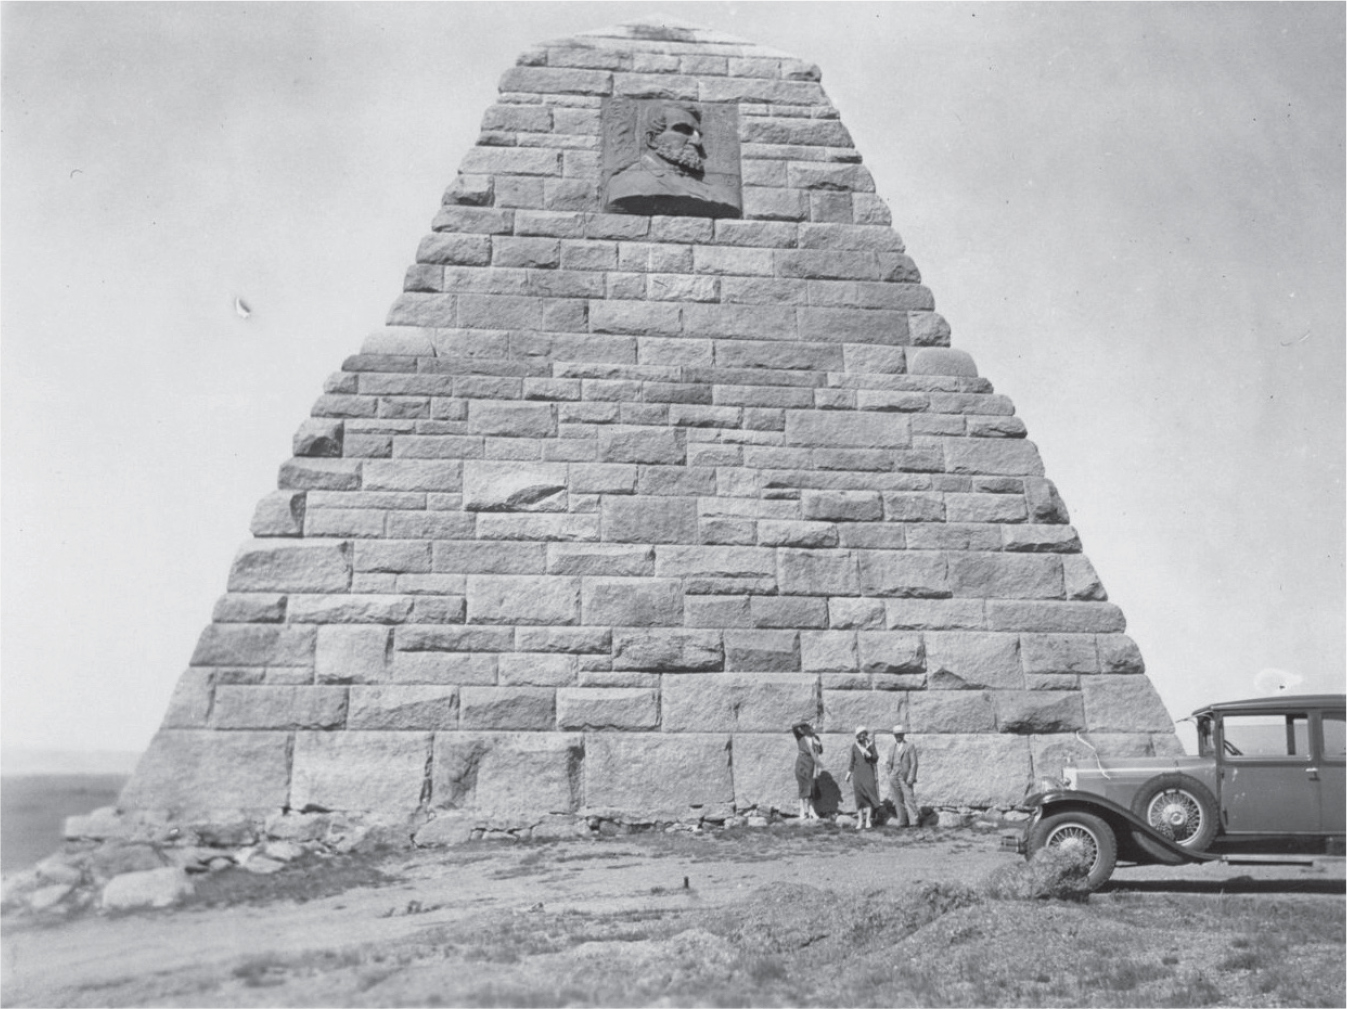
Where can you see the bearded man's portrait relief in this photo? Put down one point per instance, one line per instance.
(670, 157)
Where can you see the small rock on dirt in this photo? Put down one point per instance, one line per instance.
(298, 826)
(226, 835)
(55, 869)
(118, 859)
(263, 865)
(282, 851)
(18, 885)
(103, 822)
(445, 830)
(48, 896)
(191, 859)
(560, 827)
(151, 888)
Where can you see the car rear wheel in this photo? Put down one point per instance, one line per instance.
(1179, 808)
(1082, 832)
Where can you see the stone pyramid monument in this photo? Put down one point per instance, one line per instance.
(663, 449)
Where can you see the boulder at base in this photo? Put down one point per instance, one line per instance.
(151, 888)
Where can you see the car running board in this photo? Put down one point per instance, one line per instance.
(1269, 859)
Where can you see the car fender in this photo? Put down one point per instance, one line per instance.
(1120, 818)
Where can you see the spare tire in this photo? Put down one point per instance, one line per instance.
(1179, 807)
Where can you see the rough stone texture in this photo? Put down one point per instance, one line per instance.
(187, 771)
(279, 707)
(732, 702)
(974, 770)
(598, 708)
(286, 566)
(764, 771)
(507, 775)
(609, 490)
(357, 771)
(1124, 704)
(1036, 711)
(659, 776)
(151, 888)
(398, 707)
(952, 711)
(446, 829)
(521, 708)
(843, 710)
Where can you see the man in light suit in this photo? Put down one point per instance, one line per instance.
(902, 769)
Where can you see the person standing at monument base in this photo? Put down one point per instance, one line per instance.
(861, 774)
(901, 765)
(807, 767)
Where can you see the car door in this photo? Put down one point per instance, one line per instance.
(1333, 739)
(1270, 783)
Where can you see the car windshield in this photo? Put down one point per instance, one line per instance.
(1204, 743)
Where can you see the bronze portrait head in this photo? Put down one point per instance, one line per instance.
(671, 157)
(675, 134)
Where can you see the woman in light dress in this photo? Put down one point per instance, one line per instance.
(861, 774)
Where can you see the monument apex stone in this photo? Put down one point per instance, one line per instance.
(664, 447)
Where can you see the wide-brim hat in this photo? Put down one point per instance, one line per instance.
(899, 730)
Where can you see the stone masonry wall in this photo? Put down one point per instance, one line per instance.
(613, 500)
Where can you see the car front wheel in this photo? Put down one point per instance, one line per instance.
(1081, 832)
(1178, 807)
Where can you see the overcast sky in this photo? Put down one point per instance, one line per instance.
(1131, 214)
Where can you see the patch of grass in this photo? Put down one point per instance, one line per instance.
(1245, 959)
(413, 907)
(1194, 990)
(1293, 987)
(264, 971)
(1125, 975)
(765, 969)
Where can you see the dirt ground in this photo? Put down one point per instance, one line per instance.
(780, 916)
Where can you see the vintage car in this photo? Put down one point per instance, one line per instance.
(1267, 785)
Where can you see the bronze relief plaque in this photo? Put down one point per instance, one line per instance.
(665, 156)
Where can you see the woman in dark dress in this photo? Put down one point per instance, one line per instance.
(807, 766)
(861, 774)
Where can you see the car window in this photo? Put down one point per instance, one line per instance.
(1335, 735)
(1266, 735)
(1205, 747)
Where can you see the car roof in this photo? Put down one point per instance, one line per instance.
(1277, 702)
